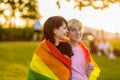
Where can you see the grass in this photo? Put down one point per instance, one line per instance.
(15, 59)
(115, 44)
(109, 68)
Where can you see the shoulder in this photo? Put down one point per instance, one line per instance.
(65, 44)
(66, 48)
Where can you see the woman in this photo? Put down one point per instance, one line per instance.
(83, 66)
(51, 60)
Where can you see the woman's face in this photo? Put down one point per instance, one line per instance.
(61, 32)
(75, 33)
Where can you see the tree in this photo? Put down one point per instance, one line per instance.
(31, 11)
(96, 4)
(1, 11)
(27, 8)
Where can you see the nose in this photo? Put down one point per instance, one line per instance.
(78, 32)
(66, 30)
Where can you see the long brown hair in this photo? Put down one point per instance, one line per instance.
(50, 24)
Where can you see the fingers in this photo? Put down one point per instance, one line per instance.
(90, 66)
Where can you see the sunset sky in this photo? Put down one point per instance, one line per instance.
(107, 19)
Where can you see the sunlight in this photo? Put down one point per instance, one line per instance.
(111, 18)
(13, 20)
(2, 6)
(98, 3)
(7, 12)
(107, 19)
(17, 14)
(2, 19)
(20, 22)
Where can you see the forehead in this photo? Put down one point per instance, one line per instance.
(77, 26)
(63, 25)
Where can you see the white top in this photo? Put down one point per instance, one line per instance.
(103, 46)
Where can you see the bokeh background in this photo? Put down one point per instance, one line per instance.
(99, 17)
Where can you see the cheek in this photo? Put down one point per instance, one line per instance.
(71, 36)
(68, 34)
(62, 31)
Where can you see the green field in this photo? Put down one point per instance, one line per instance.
(15, 59)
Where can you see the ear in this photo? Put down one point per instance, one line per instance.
(55, 30)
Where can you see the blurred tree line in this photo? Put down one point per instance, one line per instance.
(11, 9)
(16, 34)
(29, 10)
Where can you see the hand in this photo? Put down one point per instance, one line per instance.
(90, 68)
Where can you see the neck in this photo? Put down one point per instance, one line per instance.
(73, 43)
(56, 42)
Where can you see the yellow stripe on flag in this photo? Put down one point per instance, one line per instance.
(95, 74)
(39, 66)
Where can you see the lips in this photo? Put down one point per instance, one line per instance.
(65, 34)
(77, 37)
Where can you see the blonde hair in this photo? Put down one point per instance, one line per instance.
(74, 22)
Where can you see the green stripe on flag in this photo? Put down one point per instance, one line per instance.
(32, 75)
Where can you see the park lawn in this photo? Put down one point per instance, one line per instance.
(115, 44)
(15, 59)
(109, 68)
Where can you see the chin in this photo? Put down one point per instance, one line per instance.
(63, 38)
(77, 40)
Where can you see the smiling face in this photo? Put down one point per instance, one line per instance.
(61, 32)
(55, 29)
(75, 33)
(75, 30)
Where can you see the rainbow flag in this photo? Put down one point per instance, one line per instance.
(48, 63)
(96, 72)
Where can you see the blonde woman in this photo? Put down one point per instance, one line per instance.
(83, 66)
